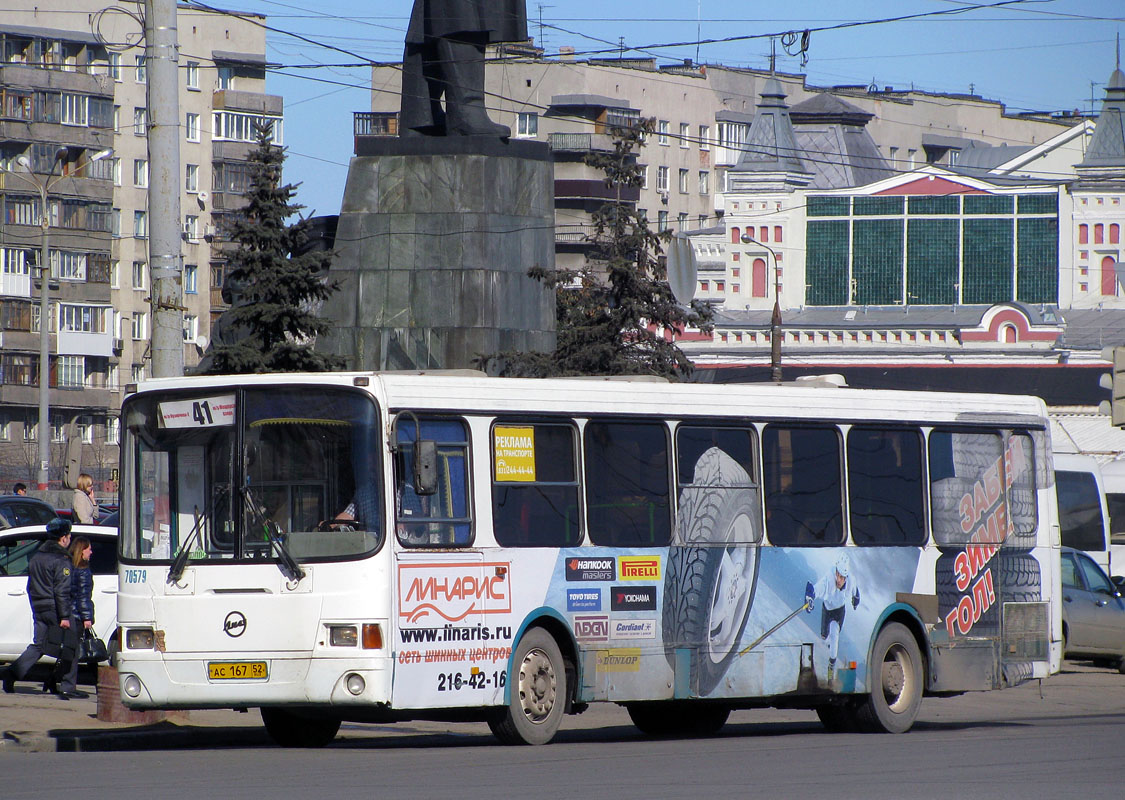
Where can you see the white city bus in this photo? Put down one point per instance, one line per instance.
(393, 546)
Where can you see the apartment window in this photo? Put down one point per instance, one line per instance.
(114, 271)
(662, 179)
(137, 373)
(191, 228)
(662, 132)
(82, 319)
(115, 66)
(704, 181)
(113, 424)
(117, 119)
(894, 157)
(68, 266)
(72, 372)
(685, 134)
(191, 75)
(115, 222)
(191, 127)
(191, 278)
(661, 221)
(191, 177)
(140, 225)
(704, 137)
(115, 171)
(191, 327)
(681, 220)
(75, 109)
(684, 181)
(140, 325)
(140, 275)
(224, 77)
(140, 172)
(644, 176)
(140, 121)
(142, 70)
(911, 158)
(238, 127)
(527, 125)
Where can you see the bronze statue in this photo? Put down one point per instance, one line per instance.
(444, 55)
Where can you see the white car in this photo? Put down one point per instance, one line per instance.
(17, 546)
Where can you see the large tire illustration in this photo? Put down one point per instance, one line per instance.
(711, 575)
(671, 718)
(897, 676)
(1015, 578)
(294, 729)
(538, 692)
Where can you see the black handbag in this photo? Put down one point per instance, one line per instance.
(52, 644)
(93, 648)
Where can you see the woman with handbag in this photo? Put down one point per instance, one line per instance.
(81, 618)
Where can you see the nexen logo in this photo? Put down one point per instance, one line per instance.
(591, 628)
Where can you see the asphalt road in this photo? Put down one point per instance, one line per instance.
(1061, 740)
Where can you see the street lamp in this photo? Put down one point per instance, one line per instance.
(775, 320)
(44, 186)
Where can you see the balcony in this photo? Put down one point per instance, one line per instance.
(573, 234)
(580, 142)
(373, 123)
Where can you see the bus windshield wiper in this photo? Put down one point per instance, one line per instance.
(285, 561)
(184, 552)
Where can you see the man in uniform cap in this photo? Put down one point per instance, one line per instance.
(48, 589)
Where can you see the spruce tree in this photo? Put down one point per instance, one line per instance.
(613, 313)
(271, 322)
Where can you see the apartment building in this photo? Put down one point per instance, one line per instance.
(74, 121)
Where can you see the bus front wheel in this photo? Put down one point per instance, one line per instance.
(896, 678)
(537, 689)
(291, 729)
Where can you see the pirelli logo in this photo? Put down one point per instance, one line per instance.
(639, 568)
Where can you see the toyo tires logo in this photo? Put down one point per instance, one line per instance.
(453, 591)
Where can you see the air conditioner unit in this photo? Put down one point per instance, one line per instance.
(191, 234)
(118, 346)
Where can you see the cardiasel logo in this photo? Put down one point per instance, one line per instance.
(235, 624)
(453, 591)
(632, 598)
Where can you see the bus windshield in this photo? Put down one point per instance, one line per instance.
(266, 474)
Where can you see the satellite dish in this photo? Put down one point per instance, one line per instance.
(201, 342)
(682, 268)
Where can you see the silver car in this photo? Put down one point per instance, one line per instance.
(1093, 612)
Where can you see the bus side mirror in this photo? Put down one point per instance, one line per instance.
(425, 467)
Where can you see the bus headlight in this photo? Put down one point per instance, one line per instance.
(140, 639)
(355, 683)
(343, 635)
(132, 685)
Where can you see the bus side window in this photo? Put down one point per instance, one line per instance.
(535, 485)
(628, 483)
(443, 518)
(886, 501)
(803, 485)
(718, 490)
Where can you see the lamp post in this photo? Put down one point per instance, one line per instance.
(775, 319)
(44, 186)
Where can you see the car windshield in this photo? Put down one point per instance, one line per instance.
(278, 474)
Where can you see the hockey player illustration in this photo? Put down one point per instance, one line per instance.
(835, 590)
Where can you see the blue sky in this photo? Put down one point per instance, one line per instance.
(1028, 54)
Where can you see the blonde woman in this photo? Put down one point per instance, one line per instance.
(85, 508)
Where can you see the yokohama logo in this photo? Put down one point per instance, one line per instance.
(453, 591)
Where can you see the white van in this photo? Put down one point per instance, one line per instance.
(1083, 514)
(1113, 481)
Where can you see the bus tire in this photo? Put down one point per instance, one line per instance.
(538, 691)
(292, 729)
(671, 718)
(897, 678)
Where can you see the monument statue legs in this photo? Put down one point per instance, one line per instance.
(444, 57)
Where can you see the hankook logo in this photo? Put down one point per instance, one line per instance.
(235, 624)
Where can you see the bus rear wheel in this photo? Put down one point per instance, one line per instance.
(666, 718)
(537, 689)
(292, 729)
(896, 678)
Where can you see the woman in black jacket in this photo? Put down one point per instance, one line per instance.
(81, 616)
